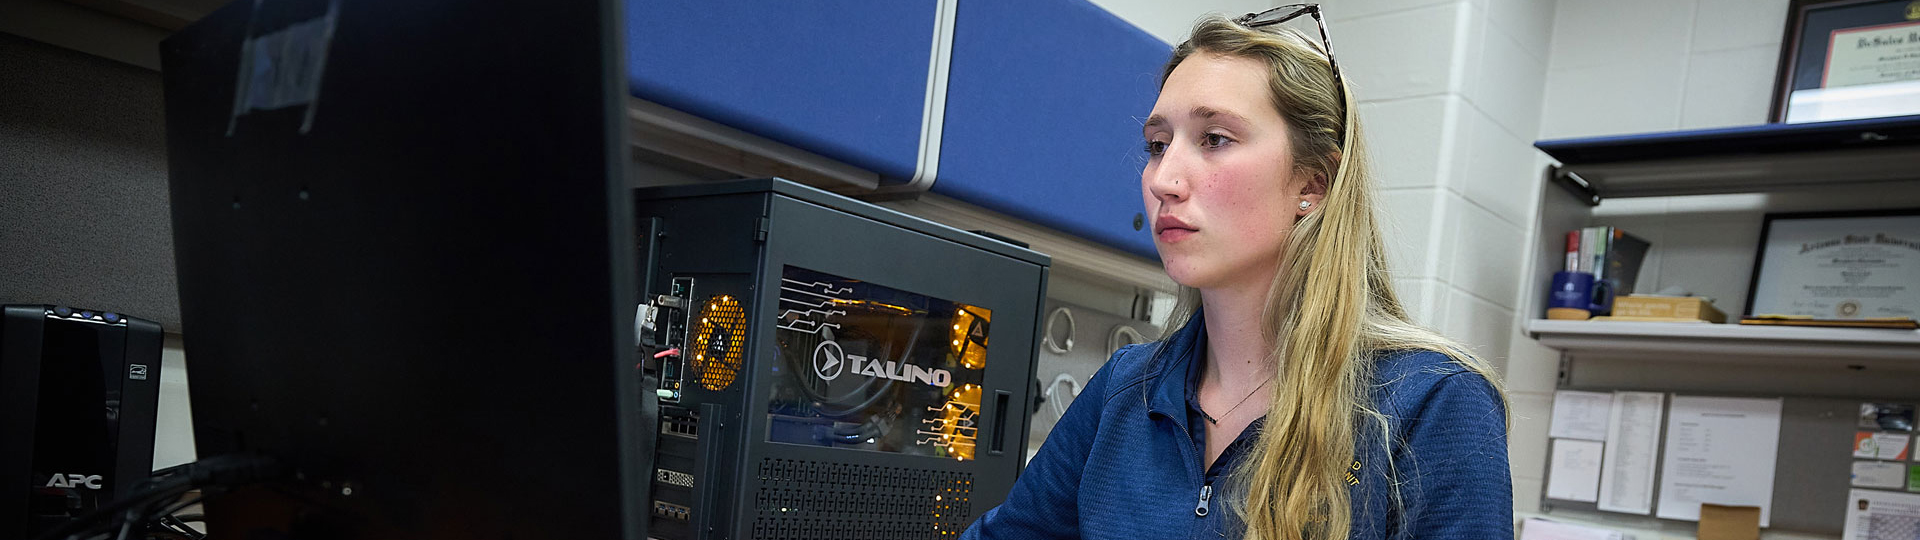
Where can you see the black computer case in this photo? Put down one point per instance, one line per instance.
(843, 370)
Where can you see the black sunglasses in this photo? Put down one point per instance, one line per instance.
(1290, 12)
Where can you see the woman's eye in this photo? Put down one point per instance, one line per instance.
(1155, 148)
(1215, 140)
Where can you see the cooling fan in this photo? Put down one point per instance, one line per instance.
(720, 342)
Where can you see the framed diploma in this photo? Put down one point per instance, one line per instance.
(1838, 265)
(1848, 59)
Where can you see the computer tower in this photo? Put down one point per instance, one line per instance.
(79, 392)
(829, 368)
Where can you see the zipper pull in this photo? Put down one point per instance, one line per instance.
(1206, 492)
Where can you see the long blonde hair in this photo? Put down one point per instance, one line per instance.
(1331, 309)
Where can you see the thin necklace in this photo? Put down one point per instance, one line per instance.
(1243, 401)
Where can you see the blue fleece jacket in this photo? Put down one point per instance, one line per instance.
(1124, 462)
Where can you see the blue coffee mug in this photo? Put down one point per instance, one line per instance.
(1571, 290)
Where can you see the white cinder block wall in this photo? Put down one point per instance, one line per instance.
(1637, 66)
(1449, 97)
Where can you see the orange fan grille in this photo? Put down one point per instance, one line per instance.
(720, 342)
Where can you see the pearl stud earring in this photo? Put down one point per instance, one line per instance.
(1305, 205)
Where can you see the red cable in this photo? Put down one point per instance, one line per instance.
(659, 355)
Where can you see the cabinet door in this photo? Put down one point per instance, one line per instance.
(845, 79)
(1044, 105)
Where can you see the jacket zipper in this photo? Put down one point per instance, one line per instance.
(1193, 461)
(1206, 492)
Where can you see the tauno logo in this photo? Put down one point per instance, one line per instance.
(74, 481)
(829, 360)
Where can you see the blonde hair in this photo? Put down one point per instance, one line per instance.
(1331, 309)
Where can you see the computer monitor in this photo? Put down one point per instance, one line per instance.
(406, 265)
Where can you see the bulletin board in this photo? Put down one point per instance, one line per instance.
(1812, 475)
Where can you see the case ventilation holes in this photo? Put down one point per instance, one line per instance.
(803, 500)
(720, 342)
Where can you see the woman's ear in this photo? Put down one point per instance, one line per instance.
(1316, 189)
(1313, 192)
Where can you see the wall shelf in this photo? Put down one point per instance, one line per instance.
(1744, 159)
(1807, 157)
(1878, 348)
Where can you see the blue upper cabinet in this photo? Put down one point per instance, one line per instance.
(1043, 99)
(843, 79)
(1044, 105)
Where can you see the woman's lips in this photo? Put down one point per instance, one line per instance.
(1171, 229)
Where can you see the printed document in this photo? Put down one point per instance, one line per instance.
(1574, 470)
(1580, 415)
(1882, 515)
(1720, 451)
(1633, 441)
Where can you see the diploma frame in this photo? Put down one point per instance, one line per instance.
(1797, 33)
(1766, 233)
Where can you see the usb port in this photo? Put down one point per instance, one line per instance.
(671, 511)
(680, 427)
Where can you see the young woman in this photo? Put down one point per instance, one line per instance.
(1301, 402)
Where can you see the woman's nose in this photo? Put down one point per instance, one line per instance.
(1168, 179)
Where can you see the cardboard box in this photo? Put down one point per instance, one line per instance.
(1668, 307)
(1729, 522)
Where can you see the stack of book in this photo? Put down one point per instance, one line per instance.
(1611, 255)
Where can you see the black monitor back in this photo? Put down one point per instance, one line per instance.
(405, 257)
